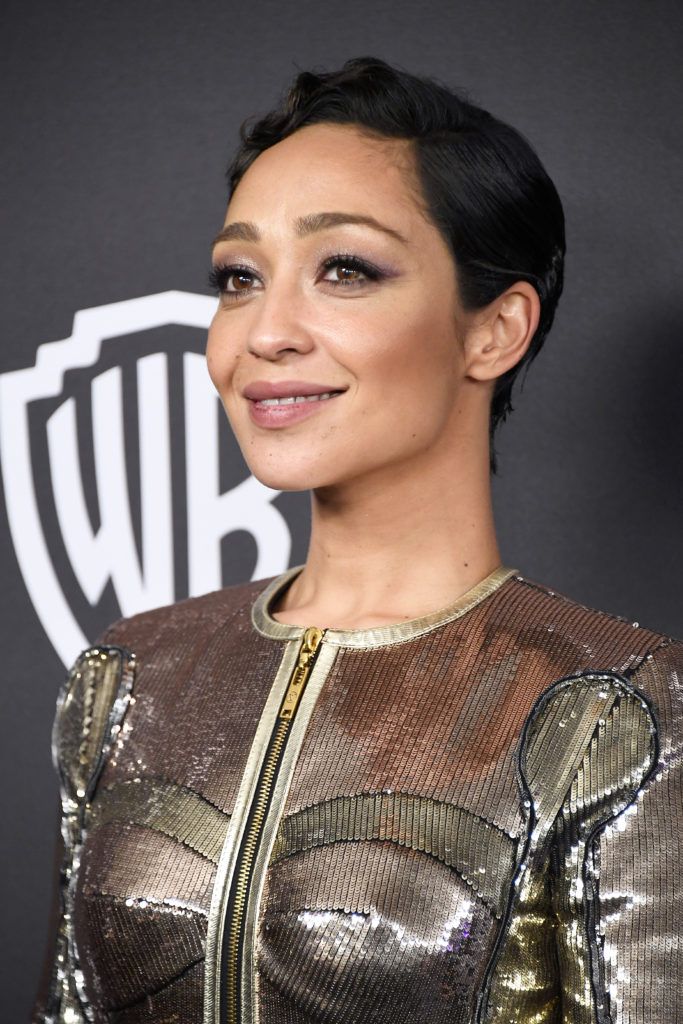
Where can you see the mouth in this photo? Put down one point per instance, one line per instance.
(294, 399)
(276, 406)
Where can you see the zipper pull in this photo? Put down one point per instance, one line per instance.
(309, 647)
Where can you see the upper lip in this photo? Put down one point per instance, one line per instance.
(261, 389)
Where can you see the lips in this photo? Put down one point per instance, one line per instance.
(279, 405)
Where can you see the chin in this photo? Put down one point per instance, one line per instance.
(284, 478)
(291, 476)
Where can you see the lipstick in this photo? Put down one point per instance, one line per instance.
(274, 404)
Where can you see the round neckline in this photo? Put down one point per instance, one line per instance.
(370, 636)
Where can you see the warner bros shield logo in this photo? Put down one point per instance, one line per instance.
(123, 483)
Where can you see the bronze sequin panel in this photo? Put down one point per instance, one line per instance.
(478, 822)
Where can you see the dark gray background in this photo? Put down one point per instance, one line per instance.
(117, 121)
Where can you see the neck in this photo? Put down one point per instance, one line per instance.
(396, 544)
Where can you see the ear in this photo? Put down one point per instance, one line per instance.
(500, 334)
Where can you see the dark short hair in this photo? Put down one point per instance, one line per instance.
(484, 187)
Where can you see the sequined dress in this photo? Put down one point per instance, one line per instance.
(472, 816)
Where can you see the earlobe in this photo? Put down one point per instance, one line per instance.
(501, 338)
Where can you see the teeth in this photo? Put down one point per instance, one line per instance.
(297, 398)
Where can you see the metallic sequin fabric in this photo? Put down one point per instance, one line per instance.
(476, 816)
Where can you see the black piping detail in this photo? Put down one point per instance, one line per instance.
(529, 814)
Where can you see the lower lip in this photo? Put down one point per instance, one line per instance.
(273, 416)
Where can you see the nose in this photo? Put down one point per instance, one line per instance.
(279, 323)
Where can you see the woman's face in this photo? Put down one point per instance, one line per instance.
(333, 283)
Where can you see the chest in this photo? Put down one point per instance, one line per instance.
(349, 859)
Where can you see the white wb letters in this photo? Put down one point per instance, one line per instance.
(109, 553)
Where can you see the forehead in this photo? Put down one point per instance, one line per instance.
(323, 165)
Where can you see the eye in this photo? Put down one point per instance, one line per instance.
(232, 281)
(349, 271)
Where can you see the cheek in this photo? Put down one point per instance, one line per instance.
(408, 351)
(220, 360)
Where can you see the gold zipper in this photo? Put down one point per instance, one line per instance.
(239, 889)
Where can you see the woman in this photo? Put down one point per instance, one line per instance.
(402, 783)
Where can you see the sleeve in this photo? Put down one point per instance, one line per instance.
(617, 858)
(526, 980)
(90, 707)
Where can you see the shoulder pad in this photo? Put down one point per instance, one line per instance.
(90, 708)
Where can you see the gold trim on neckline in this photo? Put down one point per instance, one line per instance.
(372, 636)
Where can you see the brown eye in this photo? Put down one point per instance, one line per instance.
(232, 281)
(348, 274)
(240, 281)
(349, 271)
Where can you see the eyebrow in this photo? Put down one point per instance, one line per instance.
(246, 231)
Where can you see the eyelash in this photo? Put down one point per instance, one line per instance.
(220, 275)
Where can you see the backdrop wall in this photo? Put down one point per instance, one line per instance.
(123, 487)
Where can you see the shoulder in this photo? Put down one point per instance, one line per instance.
(598, 638)
(90, 706)
(188, 621)
(162, 642)
(609, 708)
(582, 641)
